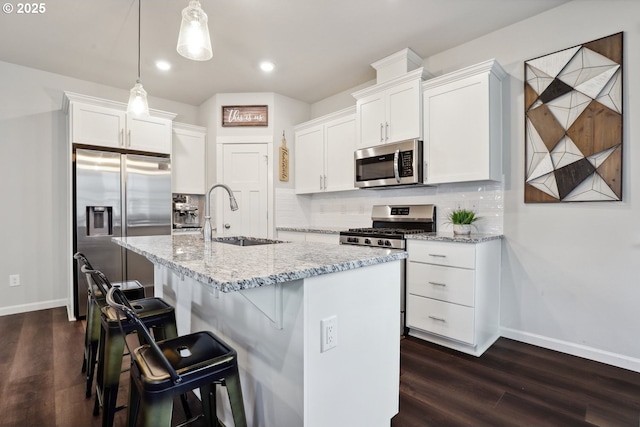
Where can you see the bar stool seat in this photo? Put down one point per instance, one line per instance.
(161, 370)
(156, 314)
(95, 301)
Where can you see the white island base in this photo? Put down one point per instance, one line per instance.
(287, 381)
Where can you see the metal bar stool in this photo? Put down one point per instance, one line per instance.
(95, 301)
(160, 370)
(156, 314)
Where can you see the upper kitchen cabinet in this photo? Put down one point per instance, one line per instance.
(324, 153)
(463, 125)
(105, 123)
(188, 159)
(389, 114)
(151, 134)
(391, 110)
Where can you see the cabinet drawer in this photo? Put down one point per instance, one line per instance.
(449, 284)
(449, 320)
(443, 253)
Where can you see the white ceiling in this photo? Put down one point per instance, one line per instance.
(320, 47)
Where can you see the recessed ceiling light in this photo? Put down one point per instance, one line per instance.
(267, 66)
(163, 65)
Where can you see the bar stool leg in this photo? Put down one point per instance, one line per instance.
(208, 396)
(158, 413)
(234, 390)
(92, 337)
(166, 330)
(133, 405)
(86, 335)
(111, 354)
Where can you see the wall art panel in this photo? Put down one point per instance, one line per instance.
(573, 124)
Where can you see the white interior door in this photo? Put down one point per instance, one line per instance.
(244, 169)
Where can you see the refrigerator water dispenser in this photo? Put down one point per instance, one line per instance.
(99, 220)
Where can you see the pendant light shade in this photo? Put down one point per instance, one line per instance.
(138, 104)
(194, 41)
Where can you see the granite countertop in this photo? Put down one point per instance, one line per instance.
(450, 237)
(230, 268)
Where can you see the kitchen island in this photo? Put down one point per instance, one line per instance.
(274, 304)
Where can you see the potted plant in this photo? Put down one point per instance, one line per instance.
(462, 220)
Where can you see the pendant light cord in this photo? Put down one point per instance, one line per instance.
(139, 22)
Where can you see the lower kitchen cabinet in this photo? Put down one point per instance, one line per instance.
(453, 293)
(308, 236)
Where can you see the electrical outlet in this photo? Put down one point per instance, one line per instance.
(14, 280)
(329, 333)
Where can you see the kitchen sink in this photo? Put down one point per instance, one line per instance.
(245, 241)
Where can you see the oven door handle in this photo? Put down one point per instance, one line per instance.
(396, 159)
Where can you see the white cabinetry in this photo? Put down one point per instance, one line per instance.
(453, 293)
(188, 159)
(308, 236)
(390, 111)
(324, 153)
(463, 125)
(291, 236)
(105, 123)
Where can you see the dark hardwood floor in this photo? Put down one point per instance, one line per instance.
(512, 384)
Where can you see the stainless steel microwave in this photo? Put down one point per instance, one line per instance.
(393, 164)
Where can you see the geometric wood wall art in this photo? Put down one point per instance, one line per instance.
(573, 124)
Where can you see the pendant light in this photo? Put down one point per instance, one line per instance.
(193, 40)
(138, 104)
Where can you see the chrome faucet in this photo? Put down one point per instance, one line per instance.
(208, 230)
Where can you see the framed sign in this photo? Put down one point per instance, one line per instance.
(245, 115)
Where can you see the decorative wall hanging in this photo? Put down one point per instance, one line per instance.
(283, 160)
(245, 115)
(573, 124)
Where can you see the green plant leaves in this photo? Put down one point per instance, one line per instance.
(463, 216)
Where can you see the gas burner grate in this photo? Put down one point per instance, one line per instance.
(387, 231)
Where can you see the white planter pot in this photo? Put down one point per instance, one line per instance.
(461, 228)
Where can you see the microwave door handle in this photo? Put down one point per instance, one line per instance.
(396, 158)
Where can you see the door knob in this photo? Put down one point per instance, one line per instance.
(227, 226)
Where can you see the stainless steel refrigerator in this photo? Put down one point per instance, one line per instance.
(118, 195)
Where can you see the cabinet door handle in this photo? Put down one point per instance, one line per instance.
(437, 284)
(321, 182)
(325, 181)
(381, 137)
(439, 319)
(121, 138)
(129, 139)
(386, 131)
(438, 255)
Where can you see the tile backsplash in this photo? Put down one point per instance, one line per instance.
(349, 209)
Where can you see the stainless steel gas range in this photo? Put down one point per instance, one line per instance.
(391, 223)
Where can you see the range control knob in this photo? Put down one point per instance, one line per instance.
(367, 241)
(387, 243)
(380, 242)
(352, 239)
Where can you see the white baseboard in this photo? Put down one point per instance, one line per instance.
(24, 308)
(590, 353)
